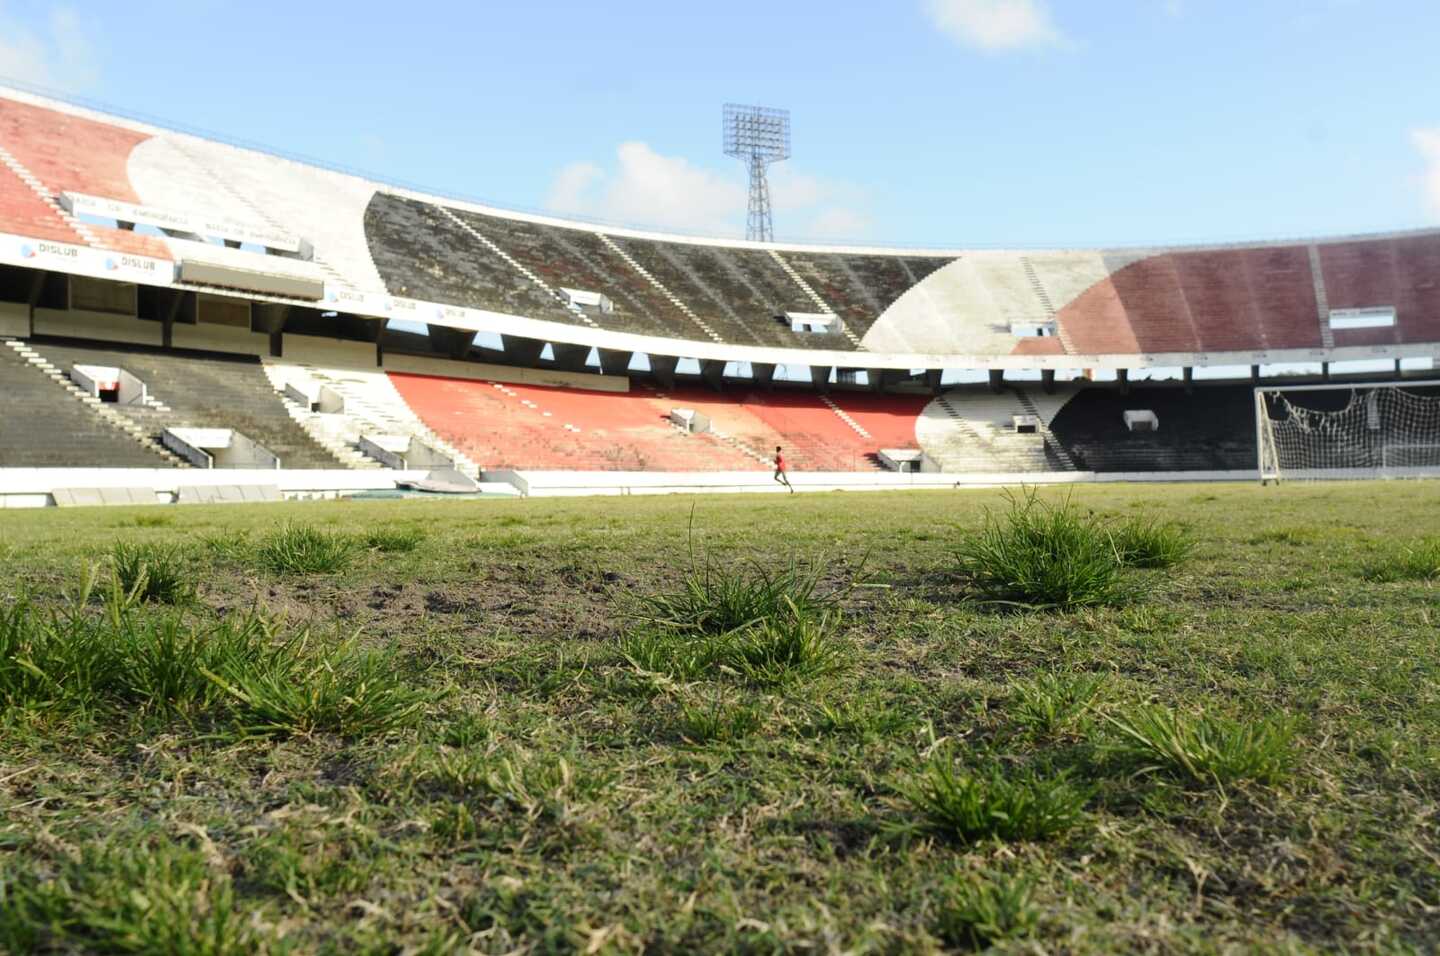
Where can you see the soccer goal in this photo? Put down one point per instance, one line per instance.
(1362, 430)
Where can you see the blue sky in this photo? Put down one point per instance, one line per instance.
(947, 123)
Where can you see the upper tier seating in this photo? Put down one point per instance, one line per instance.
(1226, 300)
(1211, 429)
(752, 287)
(1402, 272)
(70, 153)
(422, 253)
(43, 426)
(24, 213)
(860, 287)
(201, 390)
(662, 261)
(521, 426)
(576, 259)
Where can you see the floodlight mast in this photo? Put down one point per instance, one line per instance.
(759, 136)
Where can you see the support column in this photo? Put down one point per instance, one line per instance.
(1398, 373)
(571, 358)
(932, 379)
(1325, 371)
(1189, 374)
(167, 321)
(1122, 379)
(37, 288)
(1047, 380)
(712, 371)
(615, 362)
(663, 368)
(764, 373)
(519, 350)
(876, 378)
(820, 377)
(1254, 373)
(270, 318)
(997, 380)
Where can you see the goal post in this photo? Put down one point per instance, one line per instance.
(1349, 430)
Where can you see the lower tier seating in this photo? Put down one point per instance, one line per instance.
(522, 426)
(1210, 429)
(201, 391)
(42, 426)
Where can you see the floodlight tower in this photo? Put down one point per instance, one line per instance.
(759, 136)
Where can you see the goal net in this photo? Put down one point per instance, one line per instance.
(1372, 430)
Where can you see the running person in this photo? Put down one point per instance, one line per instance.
(780, 475)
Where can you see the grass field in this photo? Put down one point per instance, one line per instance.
(510, 726)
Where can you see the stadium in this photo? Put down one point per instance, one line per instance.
(356, 330)
(385, 571)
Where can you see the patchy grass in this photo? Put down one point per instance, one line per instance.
(1147, 543)
(1419, 561)
(152, 572)
(548, 728)
(969, 807)
(983, 910)
(393, 540)
(302, 549)
(1205, 748)
(1044, 555)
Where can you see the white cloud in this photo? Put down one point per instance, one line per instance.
(647, 189)
(1427, 141)
(58, 54)
(995, 25)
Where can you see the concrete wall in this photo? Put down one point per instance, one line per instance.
(220, 338)
(14, 319)
(97, 325)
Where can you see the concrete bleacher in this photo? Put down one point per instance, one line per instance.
(42, 426)
(372, 406)
(1213, 429)
(972, 430)
(662, 262)
(500, 425)
(754, 289)
(577, 259)
(197, 390)
(1403, 272)
(423, 253)
(24, 213)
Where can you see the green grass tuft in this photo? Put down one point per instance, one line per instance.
(785, 649)
(1207, 749)
(301, 549)
(1053, 704)
(970, 807)
(977, 912)
(714, 599)
(1415, 562)
(718, 721)
(154, 573)
(1147, 543)
(393, 540)
(1046, 556)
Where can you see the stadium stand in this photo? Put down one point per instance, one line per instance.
(424, 253)
(1211, 430)
(201, 391)
(1402, 273)
(519, 426)
(371, 405)
(44, 427)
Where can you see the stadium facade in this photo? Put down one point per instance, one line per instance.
(170, 301)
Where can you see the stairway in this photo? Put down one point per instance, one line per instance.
(814, 296)
(519, 267)
(978, 436)
(1322, 298)
(102, 412)
(1038, 288)
(373, 405)
(670, 297)
(1057, 451)
(38, 188)
(336, 433)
